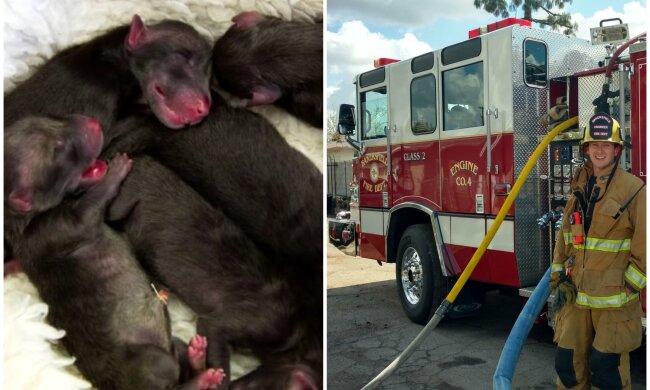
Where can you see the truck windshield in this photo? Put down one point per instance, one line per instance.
(374, 113)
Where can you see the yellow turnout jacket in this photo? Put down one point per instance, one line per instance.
(612, 254)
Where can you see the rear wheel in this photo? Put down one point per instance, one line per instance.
(420, 283)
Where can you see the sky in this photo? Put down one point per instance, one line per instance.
(358, 31)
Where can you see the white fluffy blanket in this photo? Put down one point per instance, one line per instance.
(34, 30)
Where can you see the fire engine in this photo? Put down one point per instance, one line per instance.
(442, 137)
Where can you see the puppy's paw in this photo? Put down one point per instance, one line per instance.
(196, 352)
(210, 378)
(119, 167)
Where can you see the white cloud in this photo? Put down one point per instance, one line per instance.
(342, 92)
(407, 13)
(352, 49)
(331, 90)
(634, 14)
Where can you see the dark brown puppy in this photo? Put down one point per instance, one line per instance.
(242, 299)
(116, 327)
(239, 163)
(268, 60)
(168, 62)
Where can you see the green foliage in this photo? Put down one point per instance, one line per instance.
(555, 21)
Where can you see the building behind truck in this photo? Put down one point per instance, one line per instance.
(442, 137)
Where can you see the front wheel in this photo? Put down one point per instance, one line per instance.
(420, 283)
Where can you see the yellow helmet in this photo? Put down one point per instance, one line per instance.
(603, 128)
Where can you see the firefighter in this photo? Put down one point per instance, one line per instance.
(599, 266)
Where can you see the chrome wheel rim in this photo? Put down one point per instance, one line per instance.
(412, 276)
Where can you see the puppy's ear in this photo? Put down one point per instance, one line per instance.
(137, 33)
(21, 200)
(246, 20)
(265, 94)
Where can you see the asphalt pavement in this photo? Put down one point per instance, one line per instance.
(367, 329)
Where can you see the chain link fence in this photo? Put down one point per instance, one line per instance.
(339, 176)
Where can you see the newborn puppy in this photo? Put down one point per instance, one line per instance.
(268, 60)
(116, 327)
(239, 163)
(242, 299)
(169, 63)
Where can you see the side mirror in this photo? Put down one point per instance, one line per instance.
(346, 123)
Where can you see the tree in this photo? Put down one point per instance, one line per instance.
(554, 21)
(332, 120)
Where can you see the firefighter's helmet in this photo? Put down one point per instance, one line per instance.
(603, 128)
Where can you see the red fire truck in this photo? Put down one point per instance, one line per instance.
(442, 137)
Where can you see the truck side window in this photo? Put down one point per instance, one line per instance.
(374, 113)
(535, 63)
(462, 97)
(423, 104)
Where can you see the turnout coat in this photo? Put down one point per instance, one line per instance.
(612, 255)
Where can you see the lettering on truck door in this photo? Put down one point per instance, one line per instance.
(414, 142)
(464, 149)
(374, 162)
(463, 140)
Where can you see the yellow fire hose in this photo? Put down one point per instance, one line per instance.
(460, 283)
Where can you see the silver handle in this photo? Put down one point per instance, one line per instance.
(494, 112)
(489, 112)
(389, 160)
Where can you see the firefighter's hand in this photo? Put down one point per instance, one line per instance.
(564, 290)
(556, 277)
(567, 291)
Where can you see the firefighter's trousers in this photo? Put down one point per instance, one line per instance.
(594, 345)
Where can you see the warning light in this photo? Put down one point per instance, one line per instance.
(497, 25)
(379, 62)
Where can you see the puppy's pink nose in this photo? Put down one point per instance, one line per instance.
(201, 108)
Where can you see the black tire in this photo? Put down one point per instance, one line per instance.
(424, 287)
(337, 238)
